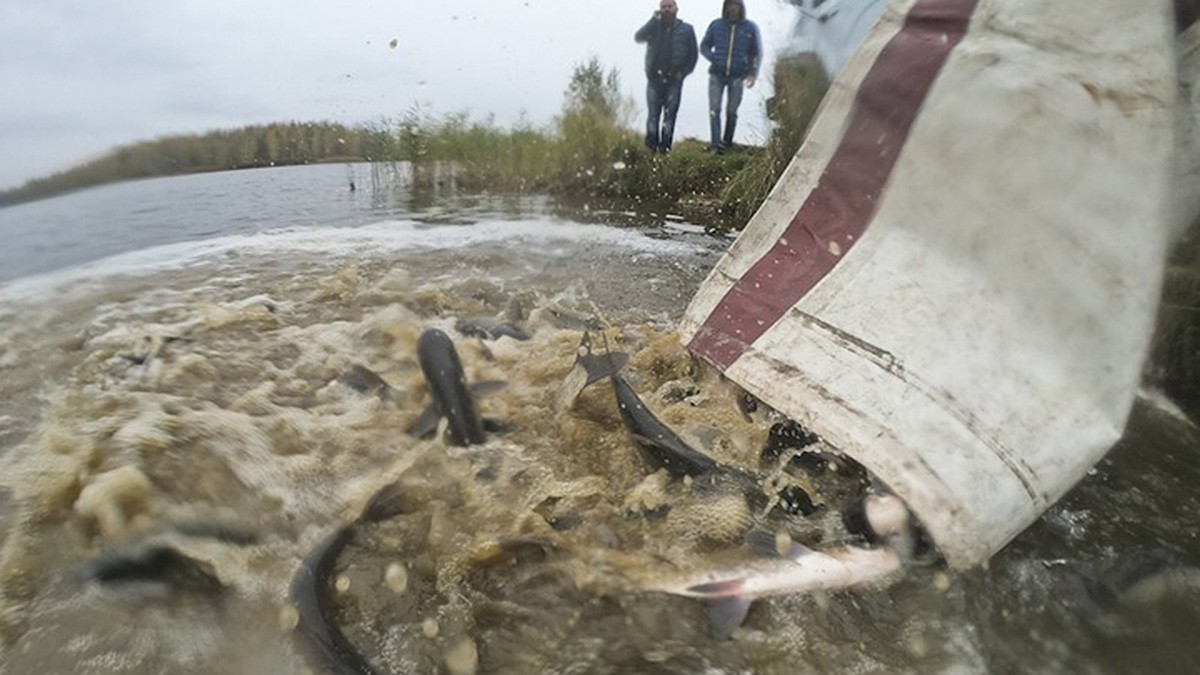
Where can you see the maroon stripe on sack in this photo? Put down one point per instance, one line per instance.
(1187, 13)
(846, 196)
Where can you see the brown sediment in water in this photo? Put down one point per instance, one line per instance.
(530, 547)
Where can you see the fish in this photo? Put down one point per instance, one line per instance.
(151, 559)
(659, 446)
(489, 328)
(317, 637)
(662, 448)
(153, 346)
(570, 319)
(452, 398)
(791, 435)
(156, 563)
(777, 569)
(366, 381)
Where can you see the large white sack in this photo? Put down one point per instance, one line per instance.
(956, 279)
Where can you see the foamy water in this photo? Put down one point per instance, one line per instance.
(192, 396)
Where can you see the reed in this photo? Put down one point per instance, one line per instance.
(800, 84)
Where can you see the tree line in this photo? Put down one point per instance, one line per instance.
(248, 147)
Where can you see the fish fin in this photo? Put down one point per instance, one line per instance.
(391, 500)
(514, 311)
(572, 385)
(516, 332)
(763, 542)
(599, 367)
(427, 424)
(158, 563)
(486, 387)
(717, 589)
(726, 614)
(767, 543)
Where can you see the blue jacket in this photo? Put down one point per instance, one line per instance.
(678, 46)
(733, 48)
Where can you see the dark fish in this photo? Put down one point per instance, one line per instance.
(572, 319)
(660, 447)
(452, 398)
(154, 563)
(489, 328)
(789, 435)
(154, 345)
(316, 636)
(366, 381)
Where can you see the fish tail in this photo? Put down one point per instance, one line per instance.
(726, 615)
(599, 366)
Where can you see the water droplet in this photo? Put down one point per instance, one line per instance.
(396, 577)
(463, 657)
(288, 617)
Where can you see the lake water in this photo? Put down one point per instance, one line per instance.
(177, 361)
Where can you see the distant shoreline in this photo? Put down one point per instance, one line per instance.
(590, 151)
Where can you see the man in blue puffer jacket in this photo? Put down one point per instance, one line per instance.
(670, 57)
(732, 45)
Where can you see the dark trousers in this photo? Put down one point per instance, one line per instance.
(717, 85)
(662, 98)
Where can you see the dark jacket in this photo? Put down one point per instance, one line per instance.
(676, 46)
(733, 48)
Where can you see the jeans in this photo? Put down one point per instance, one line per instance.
(662, 98)
(716, 87)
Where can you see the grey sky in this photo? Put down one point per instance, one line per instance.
(80, 77)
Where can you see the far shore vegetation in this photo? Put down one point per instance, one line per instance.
(591, 150)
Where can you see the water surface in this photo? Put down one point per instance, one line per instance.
(174, 355)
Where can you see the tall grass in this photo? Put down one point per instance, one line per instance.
(800, 85)
(589, 151)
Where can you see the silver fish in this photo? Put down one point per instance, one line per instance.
(778, 570)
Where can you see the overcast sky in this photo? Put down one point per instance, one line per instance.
(80, 77)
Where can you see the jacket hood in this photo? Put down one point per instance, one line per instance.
(736, 2)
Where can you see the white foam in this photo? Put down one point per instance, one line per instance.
(546, 236)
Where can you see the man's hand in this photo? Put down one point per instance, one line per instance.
(750, 80)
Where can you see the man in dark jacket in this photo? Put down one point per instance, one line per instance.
(732, 45)
(670, 57)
